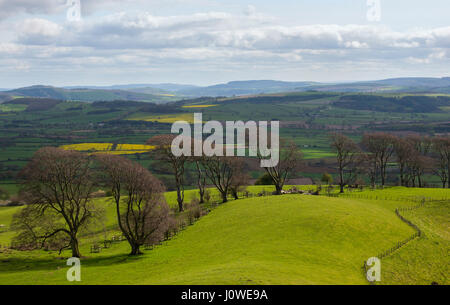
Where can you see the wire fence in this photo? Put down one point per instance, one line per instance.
(418, 233)
(393, 197)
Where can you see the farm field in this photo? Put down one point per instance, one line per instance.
(169, 118)
(307, 119)
(402, 194)
(109, 148)
(288, 239)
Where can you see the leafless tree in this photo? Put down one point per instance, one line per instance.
(403, 150)
(381, 147)
(59, 181)
(347, 156)
(142, 212)
(290, 160)
(201, 178)
(422, 144)
(220, 171)
(417, 164)
(419, 156)
(34, 229)
(240, 179)
(163, 152)
(370, 168)
(441, 146)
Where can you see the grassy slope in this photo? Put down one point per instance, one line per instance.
(268, 240)
(425, 260)
(6, 214)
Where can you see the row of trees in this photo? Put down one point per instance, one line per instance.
(58, 187)
(228, 174)
(413, 155)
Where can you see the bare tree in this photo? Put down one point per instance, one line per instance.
(240, 179)
(420, 156)
(163, 152)
(34, 229)
(440, 170)
(289, 162)
(403, 150)
(422, 144)
(347, 156)
(417, 164)
(220, 171)
(441, 146)
(201, 178)
(60, 182)
(142, 212)
(381, 147)
(369, 167)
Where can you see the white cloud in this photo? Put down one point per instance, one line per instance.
(217, 29)
(226, 42)
(39, 31)
(9, 8)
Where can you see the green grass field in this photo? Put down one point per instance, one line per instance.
(289, 239)
(425, 260)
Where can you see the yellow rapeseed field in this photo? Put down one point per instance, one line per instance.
(107, 148)
(88, 147)
(199, 106)
(122, 152)
(167, 118)
(134, 147)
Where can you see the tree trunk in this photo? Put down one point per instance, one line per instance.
(135, 249)
(383, 176)
(278, 189)
(179, 200)
(235, 194)
(224, 197)
(201, 195)
(201, 183)
(402, 179)
(342, 188)
(74, 247)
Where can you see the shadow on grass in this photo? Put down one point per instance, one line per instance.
(29, 263)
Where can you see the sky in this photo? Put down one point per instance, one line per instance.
(205, 42)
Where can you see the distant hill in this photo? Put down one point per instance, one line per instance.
(167, 92)
(394, 85)
(405, 104)
(247, 88)
(4, 97)
(36, 104)
(86, 94)
(130, 87)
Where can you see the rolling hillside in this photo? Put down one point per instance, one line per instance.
(267, 240)
(87, 95)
